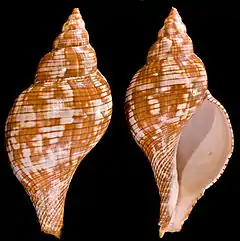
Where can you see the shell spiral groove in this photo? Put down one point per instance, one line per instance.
(55, 123)
(185, 133)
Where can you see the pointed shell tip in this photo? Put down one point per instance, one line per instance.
(173, 11)
(76, 11)
(174, 15)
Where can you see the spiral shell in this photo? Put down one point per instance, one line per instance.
(55, 123)
(185, 133)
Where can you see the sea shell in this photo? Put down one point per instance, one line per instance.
(55, 123)
(185, 133)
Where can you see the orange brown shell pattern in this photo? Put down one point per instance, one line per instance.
(161, 98)
(56, 121)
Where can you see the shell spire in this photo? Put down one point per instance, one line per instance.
(73, 33)
(177, 123)
(174, 15)
(70, 48)
(57, 121)
(74, 21)
(172, 39)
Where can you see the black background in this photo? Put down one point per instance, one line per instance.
(113, 194)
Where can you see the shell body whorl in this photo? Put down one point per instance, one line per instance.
(162, 98)
(55, 123)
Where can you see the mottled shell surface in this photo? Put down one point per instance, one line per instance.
(185, 133)
(56, 121)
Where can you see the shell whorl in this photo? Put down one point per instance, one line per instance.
(57, 121)
(163, 96)
(173, 40)
(171, 85)
(71, 56)
(73, 33)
